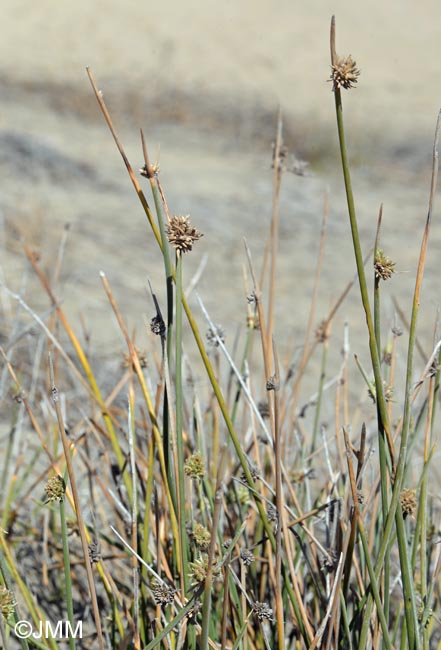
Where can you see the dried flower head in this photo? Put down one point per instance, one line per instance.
(199, 570)
(300, 475)
(272, 513)
(94, 551)
(287, 162)
(408, 502)
(243, 494)
(214, 335)
(272, 383)
(163, 594)
(157, 325)
(201, 536)
(150, 171)
(181, 234)
(194, 466)
(322, 331)
(344, 73)
(7, 602)
(142, 357)
(263, 611)
(384, 267)
(55, 489)
(246, 556)
(329, 561)
(254, 471)
(263, 408)
(194, 611)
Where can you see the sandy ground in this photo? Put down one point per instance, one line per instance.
(204, 79)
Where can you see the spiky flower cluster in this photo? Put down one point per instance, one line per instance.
(199, 570)
(7, 602)
(163, 593)
(157, 325)
(322, 331)
(263, 611)
(408, 502)
(181, 234)
(194, 466)
(344, 73)
(142, 357)
(201, 536)
(384, 267)
(55, 489)
(94, 551)
(246, 556)
(214, 335)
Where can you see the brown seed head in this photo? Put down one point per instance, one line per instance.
(263, 611)
(194, 466)
(181, 234)
(163, 594)
(55, 489)
(344, 73)
(384, 267)
(408, 502)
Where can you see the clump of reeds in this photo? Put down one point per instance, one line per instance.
(173, 519)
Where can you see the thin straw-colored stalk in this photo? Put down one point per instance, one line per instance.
(67, 578)
(274, 235)
(65, 442)
(322, 377)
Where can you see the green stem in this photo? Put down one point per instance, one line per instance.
(179, 441)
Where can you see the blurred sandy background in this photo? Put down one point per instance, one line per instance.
(204, 80)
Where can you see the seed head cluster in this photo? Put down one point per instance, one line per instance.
(163, 594)
(263, 611)
(344, 73)
(201, 536)
(194, 466)
(408, 502)
(199, 570)
(55, 489)
(384, 267)
(181, 234)
(7, 602)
